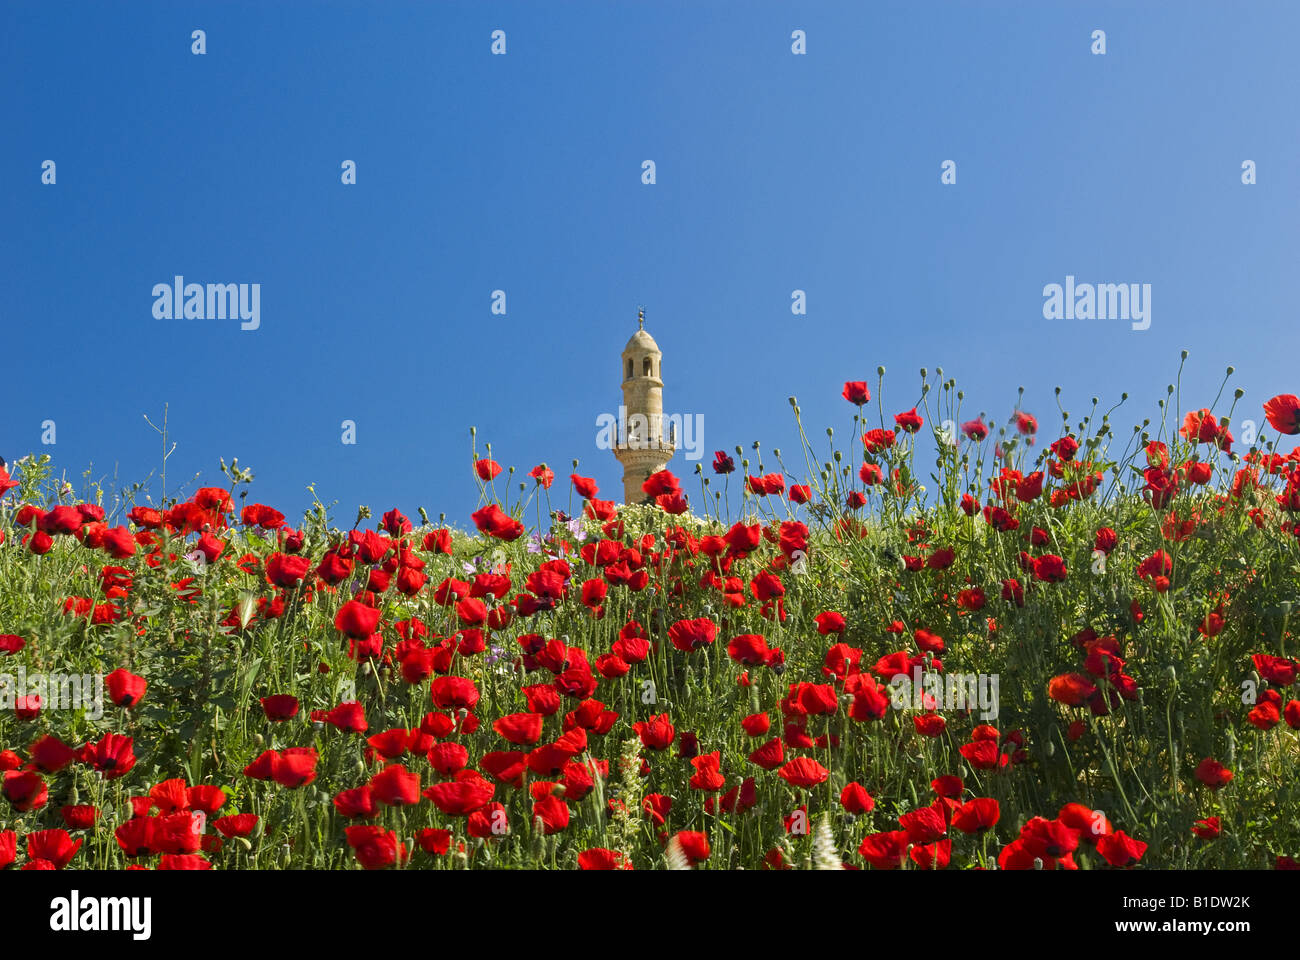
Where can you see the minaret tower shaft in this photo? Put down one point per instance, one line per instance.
(641, 446)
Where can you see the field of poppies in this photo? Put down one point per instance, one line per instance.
(933, 643)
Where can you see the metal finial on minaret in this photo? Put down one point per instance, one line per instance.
(640, 318)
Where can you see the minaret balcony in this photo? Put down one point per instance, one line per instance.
(634, 445)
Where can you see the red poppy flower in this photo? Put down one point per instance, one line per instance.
(54, 846)
(375, 847)
(236, 825)
(855, 799)
(1283, 413)
(1121, 850)
(434, 841)
(454, 693)
(1049, 568)
(520, 728)
(183, 861)
(396, 786)
(294, 767)
(770, 755)
(749, 648)
(136, 836)
(857, 392)
(707, 775)
(600, 858)
(438, 541)
(876, 440)
(285, 570)
(694, 845)
(925, 825)
(280, 707)
(983, 755)
(260, 769)
(49, 754)
(1071, 689)
(1066, 448)
(884, 851)
(460, 798)
(976, 816)
(1213, 774)
(113, 756)
(356, 620)
(448, 758)
(506, 766)
(80, 817)
(585, 486)
(125, 689)
(688, 635)
(349, 717)
(206, 797)
(1279, 671)
(493, 521)
(932, 856)
(553, 813)
(1049, 838)
(909, 422)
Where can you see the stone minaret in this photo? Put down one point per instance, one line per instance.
(641, 446)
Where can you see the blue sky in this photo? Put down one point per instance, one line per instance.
(522, 172)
